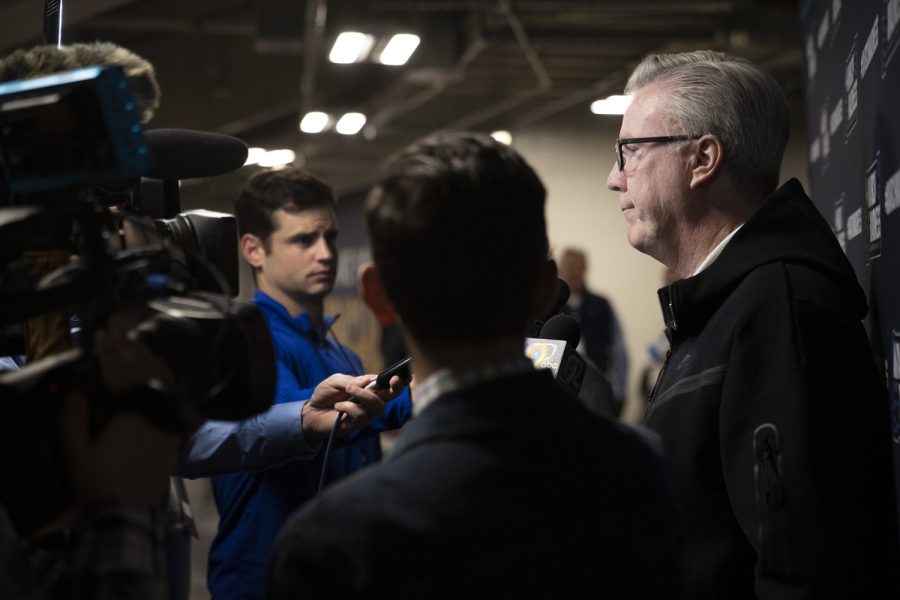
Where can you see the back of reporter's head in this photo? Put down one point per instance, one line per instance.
(459, 237)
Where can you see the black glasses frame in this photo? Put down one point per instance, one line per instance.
(663, 139)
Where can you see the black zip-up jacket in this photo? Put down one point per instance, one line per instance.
(775, 420)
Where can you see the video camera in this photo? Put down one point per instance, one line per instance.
(74, 158)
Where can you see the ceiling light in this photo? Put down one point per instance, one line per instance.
(351, 47)
(611, 105)
(350, 123)
(277, 158)
(399, 49)
(314, 122)
(502, 136)
(253, 156)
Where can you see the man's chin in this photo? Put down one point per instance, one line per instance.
(636, 240)
(321, 290)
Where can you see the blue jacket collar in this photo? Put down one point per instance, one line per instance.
(301, 322)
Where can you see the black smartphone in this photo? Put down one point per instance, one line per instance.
(383, 380)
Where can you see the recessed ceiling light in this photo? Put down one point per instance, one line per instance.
(350, 123)
(351, 47)
(314, 122)
(611, 105)
(399, 49)
(502, 136)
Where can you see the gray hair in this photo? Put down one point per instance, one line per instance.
(729, 97)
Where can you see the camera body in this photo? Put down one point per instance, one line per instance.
(72, 153)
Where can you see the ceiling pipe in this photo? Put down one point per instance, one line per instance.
(545, 82)
(316, 14)
(453, 75)
(531, 55)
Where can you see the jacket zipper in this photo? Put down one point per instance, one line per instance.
(668, 303)
(659, 377)
(671, 325)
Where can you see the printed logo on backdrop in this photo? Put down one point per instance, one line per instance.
(895, 386)
(810, 56)
(854, 225)
(820, 148)
(822, 31)
(892, 193)
(835, 19)
(891, 28)
(836, 118)
(838, 224)
(869, 50)
(873, 209)
(851, 87)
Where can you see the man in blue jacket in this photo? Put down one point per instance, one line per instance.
(288, 234)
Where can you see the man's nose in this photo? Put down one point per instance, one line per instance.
(616, 179)
(324, 249)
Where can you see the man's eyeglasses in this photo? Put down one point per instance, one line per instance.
(662, 139)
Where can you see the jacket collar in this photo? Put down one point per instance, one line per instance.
(498, 403)
(786, 228)
(301, 323)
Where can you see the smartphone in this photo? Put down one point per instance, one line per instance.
(383, 380)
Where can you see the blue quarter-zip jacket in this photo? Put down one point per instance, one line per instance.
(253, 506)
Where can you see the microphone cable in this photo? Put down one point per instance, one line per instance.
(331, 435)
(340, 416)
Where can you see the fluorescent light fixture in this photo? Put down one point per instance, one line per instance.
(350, 123)
(314, 122)
(502, 136)
(611, 105)
(399, 49)
(351, 47)
(277, 158)
(253, 156)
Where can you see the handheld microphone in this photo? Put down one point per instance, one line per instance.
(555, 350)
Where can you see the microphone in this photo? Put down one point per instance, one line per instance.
(555, 350)
(189, 154)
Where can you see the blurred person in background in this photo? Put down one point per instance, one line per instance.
(602, 341)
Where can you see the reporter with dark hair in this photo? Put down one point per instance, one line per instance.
(288, 231)
(503, 485)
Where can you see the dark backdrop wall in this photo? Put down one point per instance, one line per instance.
(853, 120)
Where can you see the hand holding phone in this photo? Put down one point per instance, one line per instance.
(383, 380)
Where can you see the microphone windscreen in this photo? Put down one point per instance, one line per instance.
(562, 327)
(188, 154)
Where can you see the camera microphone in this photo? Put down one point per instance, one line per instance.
(187, 154)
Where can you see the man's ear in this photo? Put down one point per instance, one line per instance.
(253, 250)
(709, 157)
(545, 294)
(373, 294)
